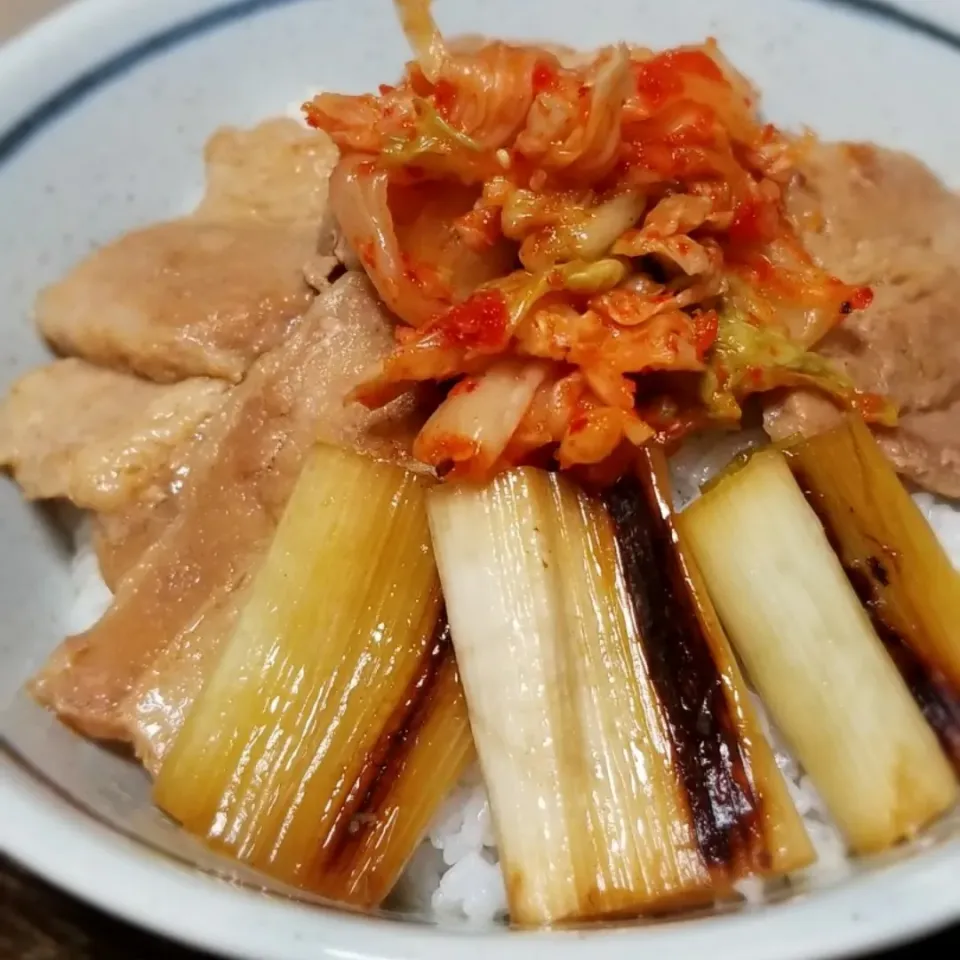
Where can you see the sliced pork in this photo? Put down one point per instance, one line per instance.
(278, 171)
(96, 437)
(183, 299)
(122, 536)
(239, 483)
(208, 294)
(878, 217)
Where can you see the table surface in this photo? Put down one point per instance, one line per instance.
(40, 923)
(17, 14)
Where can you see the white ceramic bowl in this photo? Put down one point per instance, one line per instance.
(103, 114)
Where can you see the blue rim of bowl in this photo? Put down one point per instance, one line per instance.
(17, 136)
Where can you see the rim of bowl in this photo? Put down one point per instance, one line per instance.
(139, 884)
(49, 836)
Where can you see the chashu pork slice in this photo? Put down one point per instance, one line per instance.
(878, 217)
(240, 479)
(207, 295)
(182, 299)
(278, 171)
(96, 437)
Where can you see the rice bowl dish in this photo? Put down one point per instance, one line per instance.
(402, 368)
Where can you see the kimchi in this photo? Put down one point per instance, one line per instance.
(585, 254)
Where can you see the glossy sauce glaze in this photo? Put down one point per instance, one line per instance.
(715, 770)
(357, 860)
(938, 700)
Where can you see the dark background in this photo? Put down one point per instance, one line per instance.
(39, 923)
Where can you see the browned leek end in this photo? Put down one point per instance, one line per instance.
(746, 820)
(894, 562)
(810, 651)
(408, 773)
(588, 798)
(335, 652)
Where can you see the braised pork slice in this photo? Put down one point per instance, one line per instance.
(182, 299)
(121, 537)
(153, 713)
(94, 436)
(238, 486)
(878, 217)
(208, 294)
(278, 171)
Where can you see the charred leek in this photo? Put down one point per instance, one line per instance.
(811, 652)
(894, 562)
(699, 680)
(314, 752)
(397, 793)
(590, 776)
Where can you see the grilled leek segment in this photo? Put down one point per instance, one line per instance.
(699, 680)
(334, 723)
(399, 789)
(608, 800)
(894, 562)
(811, 651)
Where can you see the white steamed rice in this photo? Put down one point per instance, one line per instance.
(455, 874)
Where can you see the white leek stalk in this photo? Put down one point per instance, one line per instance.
(894, 562)
(810, 650)
(591, 816)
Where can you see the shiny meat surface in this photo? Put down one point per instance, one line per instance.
(182, 299)
(226, 512)
(121, 539)
(208, 294)
(94, 436)
(277, 171)
(122, 536)
(156, 708)
(272, 180)
(885, 220)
